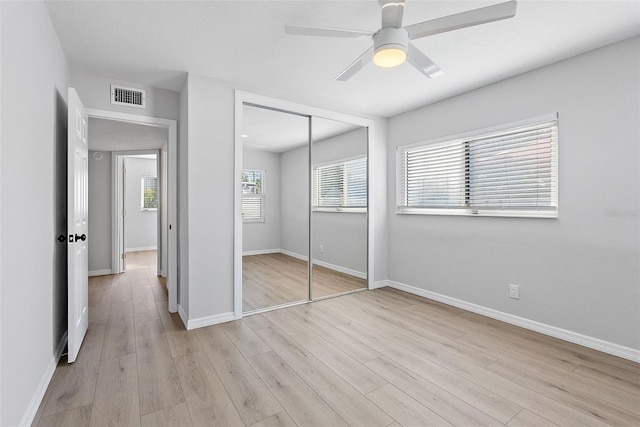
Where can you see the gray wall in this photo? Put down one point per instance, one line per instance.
(578, 272)
(140, 227)
(294, 192)
(260, 236)
(34, 81)
(100, 212)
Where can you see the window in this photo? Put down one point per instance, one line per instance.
(149, 193)
(252, 195)
(512, 171)
(341, 186)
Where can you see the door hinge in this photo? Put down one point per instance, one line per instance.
(124, 212)
(124, 256)
(124, 170)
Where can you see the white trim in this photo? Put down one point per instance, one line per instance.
(104, 272)
(543, 328)
(340, 269)
(143, 248)
(380, 284)
(172, 206)
(36, 400)
(295, 255)
(210, 320)
(261, 252)
(183, 315)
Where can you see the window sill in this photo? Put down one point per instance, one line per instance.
(148, 209)
(340, 210)
(476, 213)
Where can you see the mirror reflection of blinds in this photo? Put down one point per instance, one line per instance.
(513, 170)
(341, 184)
(251, 207)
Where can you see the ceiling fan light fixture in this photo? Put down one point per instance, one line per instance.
(389, 57)
(390, 47)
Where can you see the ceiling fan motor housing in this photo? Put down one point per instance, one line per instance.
(391, 38)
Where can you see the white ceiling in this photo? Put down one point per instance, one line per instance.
(111, 135)
(244, 42)
(277, 132)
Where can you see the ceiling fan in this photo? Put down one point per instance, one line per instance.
(392, 42)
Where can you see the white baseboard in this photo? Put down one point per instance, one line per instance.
(341, 269)
(100, 272)
(294, 255)
(210, 320)
(36, 400)
(143, 248)
(563, 334)
(261, 252)
(379, 284)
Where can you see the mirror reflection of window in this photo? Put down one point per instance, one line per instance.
(253, 195)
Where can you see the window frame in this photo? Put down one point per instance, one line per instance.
(260, 196)
(142, 188)
(340, 209)
(465, 138)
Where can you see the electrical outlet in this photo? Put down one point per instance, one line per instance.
(321, 249)
(514, 291)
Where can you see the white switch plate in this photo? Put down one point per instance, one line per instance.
(514, 291)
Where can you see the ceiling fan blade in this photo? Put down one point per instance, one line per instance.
(356, 65)
(470, 18)
(422, 62)
(299, 30)
(392, 13)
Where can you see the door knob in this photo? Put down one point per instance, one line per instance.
(83, 237)
(61, 238)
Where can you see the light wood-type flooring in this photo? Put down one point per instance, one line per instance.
(273, 279)
(373, 358)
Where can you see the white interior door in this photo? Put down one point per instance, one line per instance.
(77, 226)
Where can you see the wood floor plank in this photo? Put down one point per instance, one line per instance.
(441, 402)
(529, 419)
(562, 391)
(157, 376)
(207, 400)
(304, 406)
(490, 403)
(78, 417)
(281, 419)
(144, 305)
(352, 406)
(352, 371)
(180, 340)
(175, 416)
(251, 397)
(119, 339)
(116, 401)
(354, 348)
(404, 409)
(73, 385)
(245, 340)
(256, 321)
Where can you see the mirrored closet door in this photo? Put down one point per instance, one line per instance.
(338, 207)
(275, 208)
(304, 191)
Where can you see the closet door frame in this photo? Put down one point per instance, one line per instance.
(242, 98)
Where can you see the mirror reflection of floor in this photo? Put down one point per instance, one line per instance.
(274, 279)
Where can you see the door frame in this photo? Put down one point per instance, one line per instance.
(172, 187)
(242, 97)
(118, 205)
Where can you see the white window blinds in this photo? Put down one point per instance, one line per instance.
(511, 172)
(341, 186)
(149, 192)
(252, 195)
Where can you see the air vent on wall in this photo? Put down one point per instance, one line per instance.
(131, 97)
